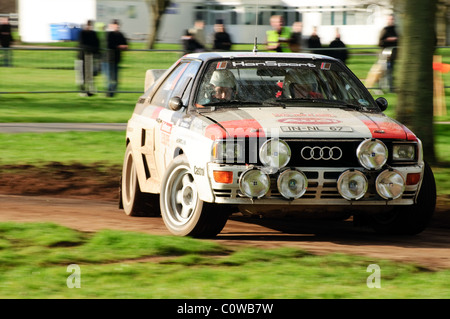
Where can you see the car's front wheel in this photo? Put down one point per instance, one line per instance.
(410, 220)
(183, 212)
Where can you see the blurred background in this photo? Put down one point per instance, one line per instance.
(42, 56)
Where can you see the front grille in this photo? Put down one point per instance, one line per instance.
(325, 153)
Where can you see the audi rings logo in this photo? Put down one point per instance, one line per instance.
(321, 153)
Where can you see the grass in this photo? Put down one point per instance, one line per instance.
(68, 147)
(116, 264)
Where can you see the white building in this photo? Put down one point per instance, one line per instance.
(359, 21)
(37, 16)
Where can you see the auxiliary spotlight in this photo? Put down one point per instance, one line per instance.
(352, 185)
(390, 184)
(254, 183)
(292, 184)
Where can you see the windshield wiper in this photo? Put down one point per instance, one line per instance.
(272, 102)
(324, 101)
(338, 103)
(233, 103)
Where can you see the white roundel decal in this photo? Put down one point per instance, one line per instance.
(309, 121)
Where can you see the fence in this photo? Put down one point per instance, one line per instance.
(52, 70)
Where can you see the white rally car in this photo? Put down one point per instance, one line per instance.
(276, 133)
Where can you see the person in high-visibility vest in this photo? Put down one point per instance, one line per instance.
(279, 38)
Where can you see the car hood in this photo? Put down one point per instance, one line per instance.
(302, 123)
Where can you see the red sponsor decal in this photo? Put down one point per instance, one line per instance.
(325, 66)
(221, 65)
(309, 121)
(166, 127)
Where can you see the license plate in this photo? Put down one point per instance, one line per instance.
(314, 128)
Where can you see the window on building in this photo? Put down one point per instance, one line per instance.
(233, 15)
(345, 16)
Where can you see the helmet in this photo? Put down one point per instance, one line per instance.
(223, 78)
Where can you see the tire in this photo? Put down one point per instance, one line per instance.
(132, 200)
(183, 212)
(410, 220)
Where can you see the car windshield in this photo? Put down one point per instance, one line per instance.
(286, 83)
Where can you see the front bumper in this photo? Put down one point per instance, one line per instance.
(322, 188)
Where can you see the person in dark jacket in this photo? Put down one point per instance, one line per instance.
(190, 43)
(314, 42)
(222, 40)
(341, 52)
(89, 45)
(389, 42)
(6, 39)
(115, 44)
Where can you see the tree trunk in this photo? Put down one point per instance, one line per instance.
(156, 10)
(415, 71)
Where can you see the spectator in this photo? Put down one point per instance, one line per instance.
(389, 42)
(340, 50)
(89, 45)
(279, 37)
(115, 44)
(6, 39)
(198, 33)
(190, 44)
(314, 42)
(222, 40)
(296, 37)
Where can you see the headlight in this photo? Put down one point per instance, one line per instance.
(254, 183)
(352, 185)
(228, 151)
(404, 152)
(372, 154)
(390, 184)
(292, 184)
(275, 153)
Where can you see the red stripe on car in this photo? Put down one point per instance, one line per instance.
(235, 128)
(380, 128)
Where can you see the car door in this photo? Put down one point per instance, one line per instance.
(178, 83)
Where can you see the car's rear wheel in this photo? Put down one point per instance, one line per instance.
(410, 220)
(183, 212)
(133, 201)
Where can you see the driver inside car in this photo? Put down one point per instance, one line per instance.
(224, 84)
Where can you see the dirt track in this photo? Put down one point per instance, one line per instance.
(84, 198)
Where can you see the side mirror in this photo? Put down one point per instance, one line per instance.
(175, 103)
(382, 103)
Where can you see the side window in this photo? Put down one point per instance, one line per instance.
(184, 84)
(175, 84)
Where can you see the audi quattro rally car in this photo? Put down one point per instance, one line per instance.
(270, 133)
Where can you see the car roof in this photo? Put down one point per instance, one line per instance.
(205, 56)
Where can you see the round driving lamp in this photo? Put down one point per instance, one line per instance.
(390, 184)
(292, 184)
(372, 154)
(352, 185)
(275, 153)
(254, 183)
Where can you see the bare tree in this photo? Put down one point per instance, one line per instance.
(156, 10)
(415, 71)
